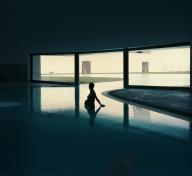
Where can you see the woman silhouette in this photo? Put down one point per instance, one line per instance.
(90, 102)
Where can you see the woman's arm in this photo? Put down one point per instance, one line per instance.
(97, 100)
(102, 105)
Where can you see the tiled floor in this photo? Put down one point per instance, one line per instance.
(47, 131)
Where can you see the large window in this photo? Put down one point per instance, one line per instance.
(160, 67)
(101, 67)
(55, 68)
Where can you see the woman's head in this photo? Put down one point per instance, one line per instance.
(91, 85)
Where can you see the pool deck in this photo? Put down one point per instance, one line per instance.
(174, 101)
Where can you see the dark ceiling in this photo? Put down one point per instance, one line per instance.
(55, 27)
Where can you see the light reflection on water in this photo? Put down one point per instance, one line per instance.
(157, 122)
(53, 99)
(69, 101)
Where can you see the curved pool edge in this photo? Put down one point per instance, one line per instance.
(156, 108)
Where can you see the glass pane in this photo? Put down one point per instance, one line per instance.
(160, 67)
(57, 68)
(101, 67)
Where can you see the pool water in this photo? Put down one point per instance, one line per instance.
(49, 132)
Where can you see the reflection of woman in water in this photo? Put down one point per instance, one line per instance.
(90, 104)
(92, 114)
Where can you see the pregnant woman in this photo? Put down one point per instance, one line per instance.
(90, 102)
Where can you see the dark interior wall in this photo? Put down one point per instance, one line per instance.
(13, 72)
(58, 27)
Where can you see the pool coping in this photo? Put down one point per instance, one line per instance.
(156, 108)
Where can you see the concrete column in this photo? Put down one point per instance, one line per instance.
(77, 69)
(125, 68)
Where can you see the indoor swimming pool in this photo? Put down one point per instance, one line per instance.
(46, 130)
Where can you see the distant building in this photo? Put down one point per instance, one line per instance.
(145, 67)
(86, 67)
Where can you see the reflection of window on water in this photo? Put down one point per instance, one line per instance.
(145, 67)
(141, 114)
(86, 67)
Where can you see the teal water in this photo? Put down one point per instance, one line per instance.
(47, 131)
